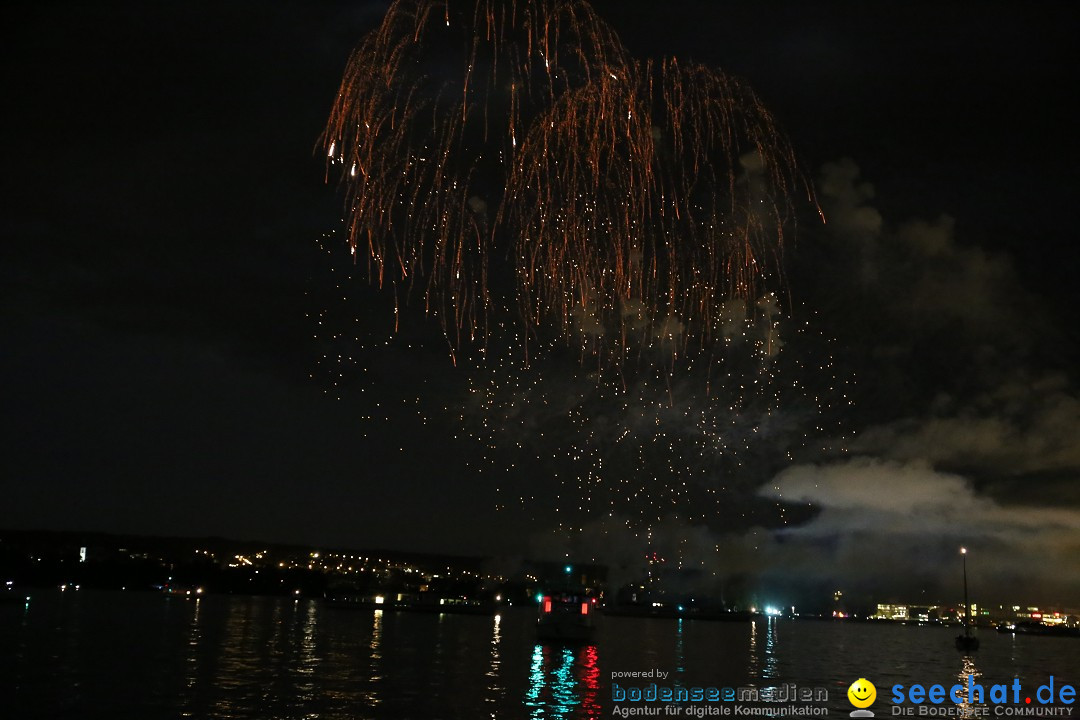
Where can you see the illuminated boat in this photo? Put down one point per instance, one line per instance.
(565, 616)
(183, 590)
(1031, 627)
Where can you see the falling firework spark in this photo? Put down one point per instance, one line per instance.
(513, 154)
(640, 443)
(651, 443)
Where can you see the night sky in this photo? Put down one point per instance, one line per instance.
(170, 247)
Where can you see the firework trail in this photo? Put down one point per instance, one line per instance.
(512, 154)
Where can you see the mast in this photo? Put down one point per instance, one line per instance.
(967, 606)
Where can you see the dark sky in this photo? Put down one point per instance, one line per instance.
(162, 276)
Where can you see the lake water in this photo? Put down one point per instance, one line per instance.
(133, 655)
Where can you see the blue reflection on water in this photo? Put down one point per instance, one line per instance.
(680, 651)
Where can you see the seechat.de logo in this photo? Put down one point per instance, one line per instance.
(862, 694)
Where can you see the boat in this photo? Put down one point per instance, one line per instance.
(1030, 627)
(966, 642)
(566, 616)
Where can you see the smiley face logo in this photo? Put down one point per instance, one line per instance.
(862, 693)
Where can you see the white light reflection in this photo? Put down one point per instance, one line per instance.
(375, 657)
(966, 708)
(495, 688)
(309, 660)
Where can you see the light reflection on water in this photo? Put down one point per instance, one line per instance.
(193, 656)
(235, 657)
(374, 673)
(563, 682)
(770, 660)
(680, 653)
(494, 688)
(967, 708)
(762, 658)
(309, 660)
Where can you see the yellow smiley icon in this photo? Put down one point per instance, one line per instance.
(862, 693)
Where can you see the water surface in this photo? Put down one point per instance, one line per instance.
(137, 655)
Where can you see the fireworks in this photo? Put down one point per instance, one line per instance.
(648, 443)
(542, 193)
(514, 155)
